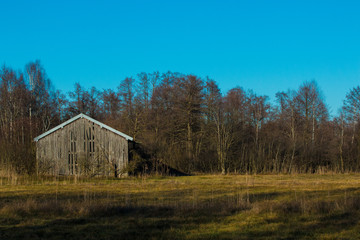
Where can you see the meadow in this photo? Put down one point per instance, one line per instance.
(192, 207)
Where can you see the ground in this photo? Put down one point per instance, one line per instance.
(192, 207)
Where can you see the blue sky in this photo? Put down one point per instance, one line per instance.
(267, 46)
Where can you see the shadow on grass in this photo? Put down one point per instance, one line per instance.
(116, 222)
(172, 223)
(330, 225)
(295, 226)
(183, 214)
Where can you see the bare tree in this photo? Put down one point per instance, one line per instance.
(288, 115)
(79, 102)
(40, 88)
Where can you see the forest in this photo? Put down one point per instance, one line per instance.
(186, 122)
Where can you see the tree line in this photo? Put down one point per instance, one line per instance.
(186, 122)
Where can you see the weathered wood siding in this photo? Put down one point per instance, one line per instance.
(82, 148)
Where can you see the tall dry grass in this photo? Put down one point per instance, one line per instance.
(225, 204)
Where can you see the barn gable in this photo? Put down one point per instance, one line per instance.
(81, 115)
(82, 146)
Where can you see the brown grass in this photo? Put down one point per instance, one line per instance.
(197, 207)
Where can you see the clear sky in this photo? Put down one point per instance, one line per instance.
(267, 45)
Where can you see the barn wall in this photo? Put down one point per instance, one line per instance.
(82, 148)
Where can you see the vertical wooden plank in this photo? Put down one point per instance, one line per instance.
(96, 153)
(72, 149)
(66, 148)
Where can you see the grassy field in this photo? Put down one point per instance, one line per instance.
(195, 207)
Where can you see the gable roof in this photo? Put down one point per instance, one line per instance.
(88, 118)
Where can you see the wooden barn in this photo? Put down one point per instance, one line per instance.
(83, 146)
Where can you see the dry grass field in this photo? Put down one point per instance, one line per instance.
(195, 207)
